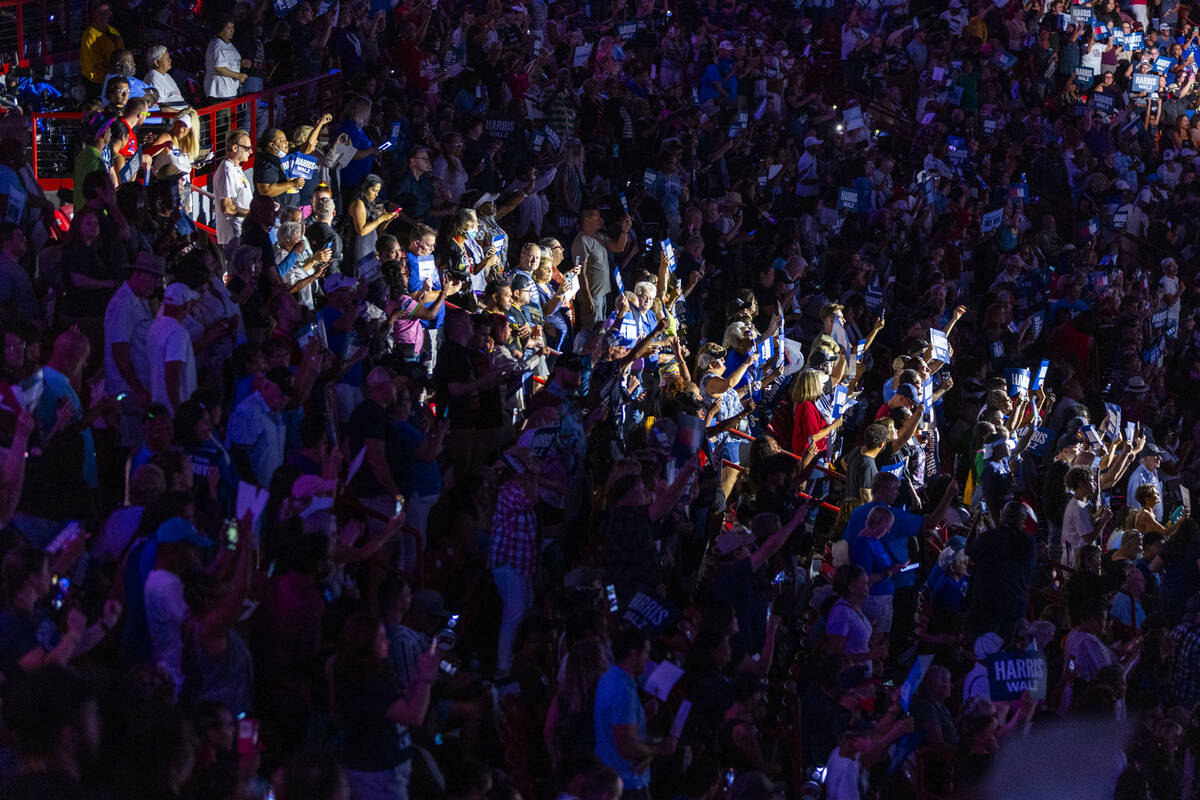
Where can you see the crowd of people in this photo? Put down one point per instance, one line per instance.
(609, 400)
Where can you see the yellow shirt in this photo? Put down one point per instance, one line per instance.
(95, 52)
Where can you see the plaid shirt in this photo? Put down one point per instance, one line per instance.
(514, 531)
(1185, 664)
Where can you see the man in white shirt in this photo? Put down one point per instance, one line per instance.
(159, 77)
(169, 348)
(1078, 527)
(593, 247)
(1146, 472)
(232, 192)
(807, 179)
(127, 321)
(533, 208)
(177, 553)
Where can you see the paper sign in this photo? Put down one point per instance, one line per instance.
(1039, 441)
(895, 469)
(1130, 430)
(499, 127)
(859, 349)
(874, 297)
(765, 349)
(847, 199)
(1120, 219)
(1019, 191)
(991, 220)
(616, 276)
(1144, 82)
(1162, 64)
(1040, 377)
(913, 681)
(939, 74)
(299, 165)
(1018, 381)
(1186, 496)
(1081, 15)
(685, 708)
(669, 250)
(1091, 434)
(282, 7)
(426, 268)
(940, 344)
(663, 679)
(1083, 77)
(627, 30)
(1012, 673)
(649, 177)
(688, 437)
(368, 268)
(762, 109)
(582, 54)
(853, 118)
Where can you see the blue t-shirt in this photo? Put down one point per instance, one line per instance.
(617, 704)
(906, 526)
(871, 555)
(340, 344)
(416, 477)
(352, 174)
(712, 74)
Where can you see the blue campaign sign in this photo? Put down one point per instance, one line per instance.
(1104, 102)
(1162, 64)
(1013, 672)
(765, 349)
(847, 198)
(669, 249)
(1040, 377)
(299, 165)
(616, 275)
(913, 681)
(1041, 439)
(282, 7)
(1083, 77)
(1144, 82)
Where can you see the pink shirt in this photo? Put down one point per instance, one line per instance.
(407, 329)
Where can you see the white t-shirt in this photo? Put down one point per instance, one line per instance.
(221, 53)
(169, 340)
(127, 319)
(845, 779)
(1090, 654)
(167, 88)
(1077, 524)
(165, 612)
(230, 181)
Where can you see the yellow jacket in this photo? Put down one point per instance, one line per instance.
(95, 51)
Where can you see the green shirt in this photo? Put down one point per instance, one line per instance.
(89, 160)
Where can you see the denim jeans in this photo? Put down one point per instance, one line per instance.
(516, 594)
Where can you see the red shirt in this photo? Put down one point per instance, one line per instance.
(807, 421)
(884, 411)
(131, 144)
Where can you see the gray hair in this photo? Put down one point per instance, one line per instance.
(323, 208)
(645, 288)
(155, 54)
(290, 232)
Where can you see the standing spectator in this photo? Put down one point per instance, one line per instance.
(1185, 656)
(256, 431)
(1005, 558)
(869, 553)
(169, 349)
(100, 40)
(17, 299)
(512, 556)
(620, 720)
(232, 192)
(223, 63)
(591, 248)
(178, 545)
(370, 429)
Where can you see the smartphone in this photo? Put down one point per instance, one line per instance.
(779, 578)
(448, 668)
(814, 566)
(611, 591)
(452, 622)
(1071, 665)
(399, 506)
(983, 506)
(911, 567)
(231, 534)
(385, 146)
(729, 776)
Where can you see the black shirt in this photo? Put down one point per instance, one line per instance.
(373, 742)
(268, 169)
(1004, 559)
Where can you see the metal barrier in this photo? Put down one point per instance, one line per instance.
(40, 32)
(56, 135)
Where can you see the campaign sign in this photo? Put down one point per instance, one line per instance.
(426, 268)
(499, 128)
(282, 7)
(874, 297)
(847, 199)
(617, 281)
(913, 682)
(1018, 381)
(650, 612)
(1162, 64)
(1041, 439)
(1104, 102)
(1083, 77)
(1144, 82)
(627, 30)
(688, 437)
(1120, 219)
(940, 345)
(1018, 191)
(991, 220)
(1040, 377)
(1011, 673)
(1081, 15)
(669, 250)
(298, 165)
(582, 53)
(1133, 41)
(765, 349)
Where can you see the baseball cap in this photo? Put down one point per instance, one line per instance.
(178, 294)
(910, 392)
(811, 141)
(614, 339)
(732, 539)
(1150, 450)
(520, 282)
(820, 357)
(178, 529)
(725, 45)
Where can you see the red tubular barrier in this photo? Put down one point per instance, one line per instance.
(831, 473)
(726, 462)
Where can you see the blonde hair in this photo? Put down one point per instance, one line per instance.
(735, 332)
(189, 143)
(808, 386)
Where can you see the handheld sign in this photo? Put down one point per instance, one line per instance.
(913, 681)
(616, 275)
(1083, 77)
(1018, 381)
(1162, 64)
(1040, 377)
(426, 268)
(298, 165)
(1144, 82)
(1042, 437)
(1104, 102)
(649, 612)
(940, 345)
(853, 118)
(582, 54)
(1011, 673)
(765, 349)
(669, 249)
(991, 220)
(847, 199)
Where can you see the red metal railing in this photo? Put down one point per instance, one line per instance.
(56, 134)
